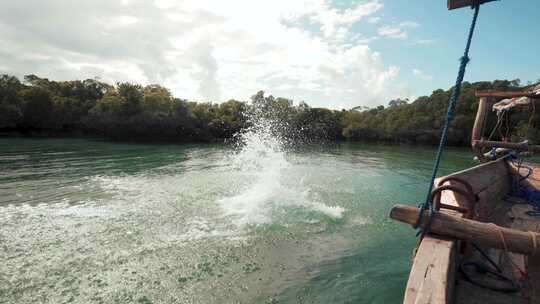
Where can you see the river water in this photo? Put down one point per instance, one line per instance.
(90, 221)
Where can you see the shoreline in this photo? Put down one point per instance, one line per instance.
(226, 141)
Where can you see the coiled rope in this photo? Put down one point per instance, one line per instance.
(428, 204)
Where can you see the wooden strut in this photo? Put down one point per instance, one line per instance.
(500, 144)
(453, 4)
(483, 234)
(507, 94)
(478, 128)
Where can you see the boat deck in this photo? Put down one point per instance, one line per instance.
(511, 212)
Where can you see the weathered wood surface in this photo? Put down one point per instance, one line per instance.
(495, 93)
(515, 217)
(490, 181)
(453, 4)
(521, 146)
(533, 268)
(485, 234)
(433, 272)
(434, 260)
(479, 125)
(534, 179)
(468, 293)
(531, 263)
(483, 176)
(434, 263)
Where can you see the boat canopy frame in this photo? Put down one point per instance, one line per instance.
(478, 141)
(455, 4)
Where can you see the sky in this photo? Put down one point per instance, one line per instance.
(328, 53)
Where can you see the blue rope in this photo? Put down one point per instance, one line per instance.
(427, 205)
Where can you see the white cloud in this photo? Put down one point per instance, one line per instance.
(420, 74)
(399, 31)
(331, 18)
(125, 20)
(203, 49)
(392, 32)
(425, 41)
(410, 24)
(374, 19)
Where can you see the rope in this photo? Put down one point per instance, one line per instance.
(507, 252)
(533, 238)
(501, 235)
(532, 112)
(509, 284)
(497, 125)
(449, 117)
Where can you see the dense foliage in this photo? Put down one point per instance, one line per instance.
(38, 106)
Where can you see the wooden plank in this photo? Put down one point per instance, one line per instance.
(521, 146)
(533, 268)
(432, 278)
(495, 93)
(454, 4)
(524, 222)
(432, 275)
(490, 181)
(484, 234)
(494, 209)
(533, 181)
(483, 176)
(489, 199)
(467, 293)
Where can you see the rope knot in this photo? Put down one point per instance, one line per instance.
(424, 225)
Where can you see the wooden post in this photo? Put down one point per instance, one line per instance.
(478, 128)
(481, 114)
(484, 234)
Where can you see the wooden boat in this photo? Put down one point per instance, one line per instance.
(480, 239)
(484, 240)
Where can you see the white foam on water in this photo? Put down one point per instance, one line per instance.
(260, 161)
(331, 211)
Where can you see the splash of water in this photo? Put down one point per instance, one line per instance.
(270, 184)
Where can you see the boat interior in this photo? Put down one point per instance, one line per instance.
(501, 192)
(445, 270)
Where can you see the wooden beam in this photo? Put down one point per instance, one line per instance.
(522, 146)
(483, 234)
(453, 4)
(494, 93)
(432, 276)
(479, 122)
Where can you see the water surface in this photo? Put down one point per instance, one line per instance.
(86, 221)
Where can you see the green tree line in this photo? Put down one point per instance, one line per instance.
(127, 111)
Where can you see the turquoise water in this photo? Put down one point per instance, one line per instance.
(88, 221)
